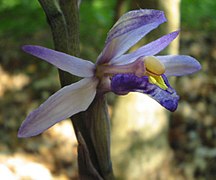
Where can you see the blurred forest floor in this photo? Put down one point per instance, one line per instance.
(26, 82)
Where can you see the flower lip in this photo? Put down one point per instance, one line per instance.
(122, 84)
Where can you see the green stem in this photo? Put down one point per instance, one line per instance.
(92, 127)
(56, 20)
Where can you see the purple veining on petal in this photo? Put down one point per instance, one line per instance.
(128, 32)
(133, 20)
(64, 103)
(149, 49)
(124, 83)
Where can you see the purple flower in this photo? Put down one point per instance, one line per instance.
(139, 71)
(125, 83)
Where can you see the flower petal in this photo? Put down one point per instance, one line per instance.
(124, 83)
(179, 65)
(63, 104)
(128, 30)
(147, 50)
(65, 62)
(133, 20)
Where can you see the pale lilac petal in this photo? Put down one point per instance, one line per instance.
(63, 104)
(133, 20)
(148, 50)
(179, 65)
(65, 62)
(132, 27)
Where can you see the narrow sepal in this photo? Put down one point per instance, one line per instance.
(63, 104)
(130, 28)
(149, 49)
(179, 65)
(65, 62)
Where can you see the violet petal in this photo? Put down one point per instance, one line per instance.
(65, 62)
(149, 49)
(63, 104)
(179, 65)
(128, 30)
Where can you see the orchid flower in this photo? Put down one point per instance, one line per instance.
(114, 71)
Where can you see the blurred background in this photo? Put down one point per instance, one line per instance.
(148, 142)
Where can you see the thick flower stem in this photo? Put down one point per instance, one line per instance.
(92, 127)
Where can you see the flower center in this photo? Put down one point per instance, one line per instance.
(137, 67)
(154, 70)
